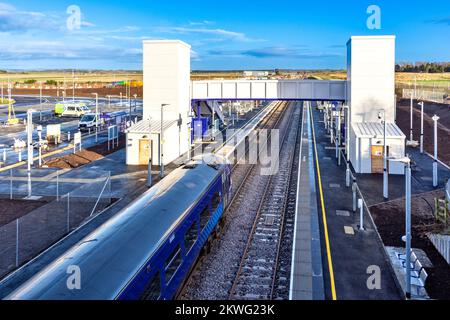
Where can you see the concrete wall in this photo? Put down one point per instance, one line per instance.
(167, 72)
(371, 77)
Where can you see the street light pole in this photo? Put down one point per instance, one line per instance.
(408, 230)
(385, 168)
(411, 136)
(30, 138)
(73, 85)
(39, 130)
(149, 168)
(347, 146)
(435, 163)
(407, 162)
(339, 139)
(421, 127)
(40, 102)
(161, 141)
(96, 116)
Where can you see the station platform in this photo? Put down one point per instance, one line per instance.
(352, 251)
(306, 281)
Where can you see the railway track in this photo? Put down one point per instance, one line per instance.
(226, 253)
(261, 273)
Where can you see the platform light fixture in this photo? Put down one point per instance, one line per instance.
(421, 126)
(96, 116)
(161, 141)
(435, 163)
(382, 117)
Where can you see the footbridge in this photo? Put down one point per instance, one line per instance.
(317, 90)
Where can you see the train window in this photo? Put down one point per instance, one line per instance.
(215, 202)
(172, 263)
(204, 218)
(153, 289)
(191, 236)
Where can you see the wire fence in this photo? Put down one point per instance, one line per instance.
(62, 202)
(426, 95)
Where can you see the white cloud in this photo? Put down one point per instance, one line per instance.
(201, 23)
(14, 20)
(224, 34)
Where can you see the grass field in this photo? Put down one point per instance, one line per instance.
(439, 80)
(80, 77)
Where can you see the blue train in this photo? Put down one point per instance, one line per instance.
(147, 250)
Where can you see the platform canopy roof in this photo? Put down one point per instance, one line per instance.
(376, 130)
(144, 126)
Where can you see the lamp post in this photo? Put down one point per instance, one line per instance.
(149, 168)
(382, 117)
(135, 102)
(421, 127)
(435, 163)
(30, 138)
(129, 97)
(40, 102)
(96, 116)
(161, 141)
(411, 137)
(407, 162)
(347, 145)
(213, 120)
(338, 134)
(39, 131)
(73, 85)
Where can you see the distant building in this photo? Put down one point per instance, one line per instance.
(256, 74)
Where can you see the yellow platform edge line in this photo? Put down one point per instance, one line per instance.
(324, 215)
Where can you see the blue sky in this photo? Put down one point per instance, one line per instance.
(228, 34)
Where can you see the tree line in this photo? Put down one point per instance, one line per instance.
(424, 67)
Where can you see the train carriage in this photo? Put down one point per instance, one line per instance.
(147, 250)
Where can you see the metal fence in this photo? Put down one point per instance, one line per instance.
(68, 199)
(426, 95)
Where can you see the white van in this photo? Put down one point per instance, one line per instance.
(75, 110)
(88, 122)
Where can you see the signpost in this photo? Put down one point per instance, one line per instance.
(76, 141)
(113, 137)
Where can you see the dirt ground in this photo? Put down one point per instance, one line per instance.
(390, 220)
(14, 209)
(443, 111)
(84, 156)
